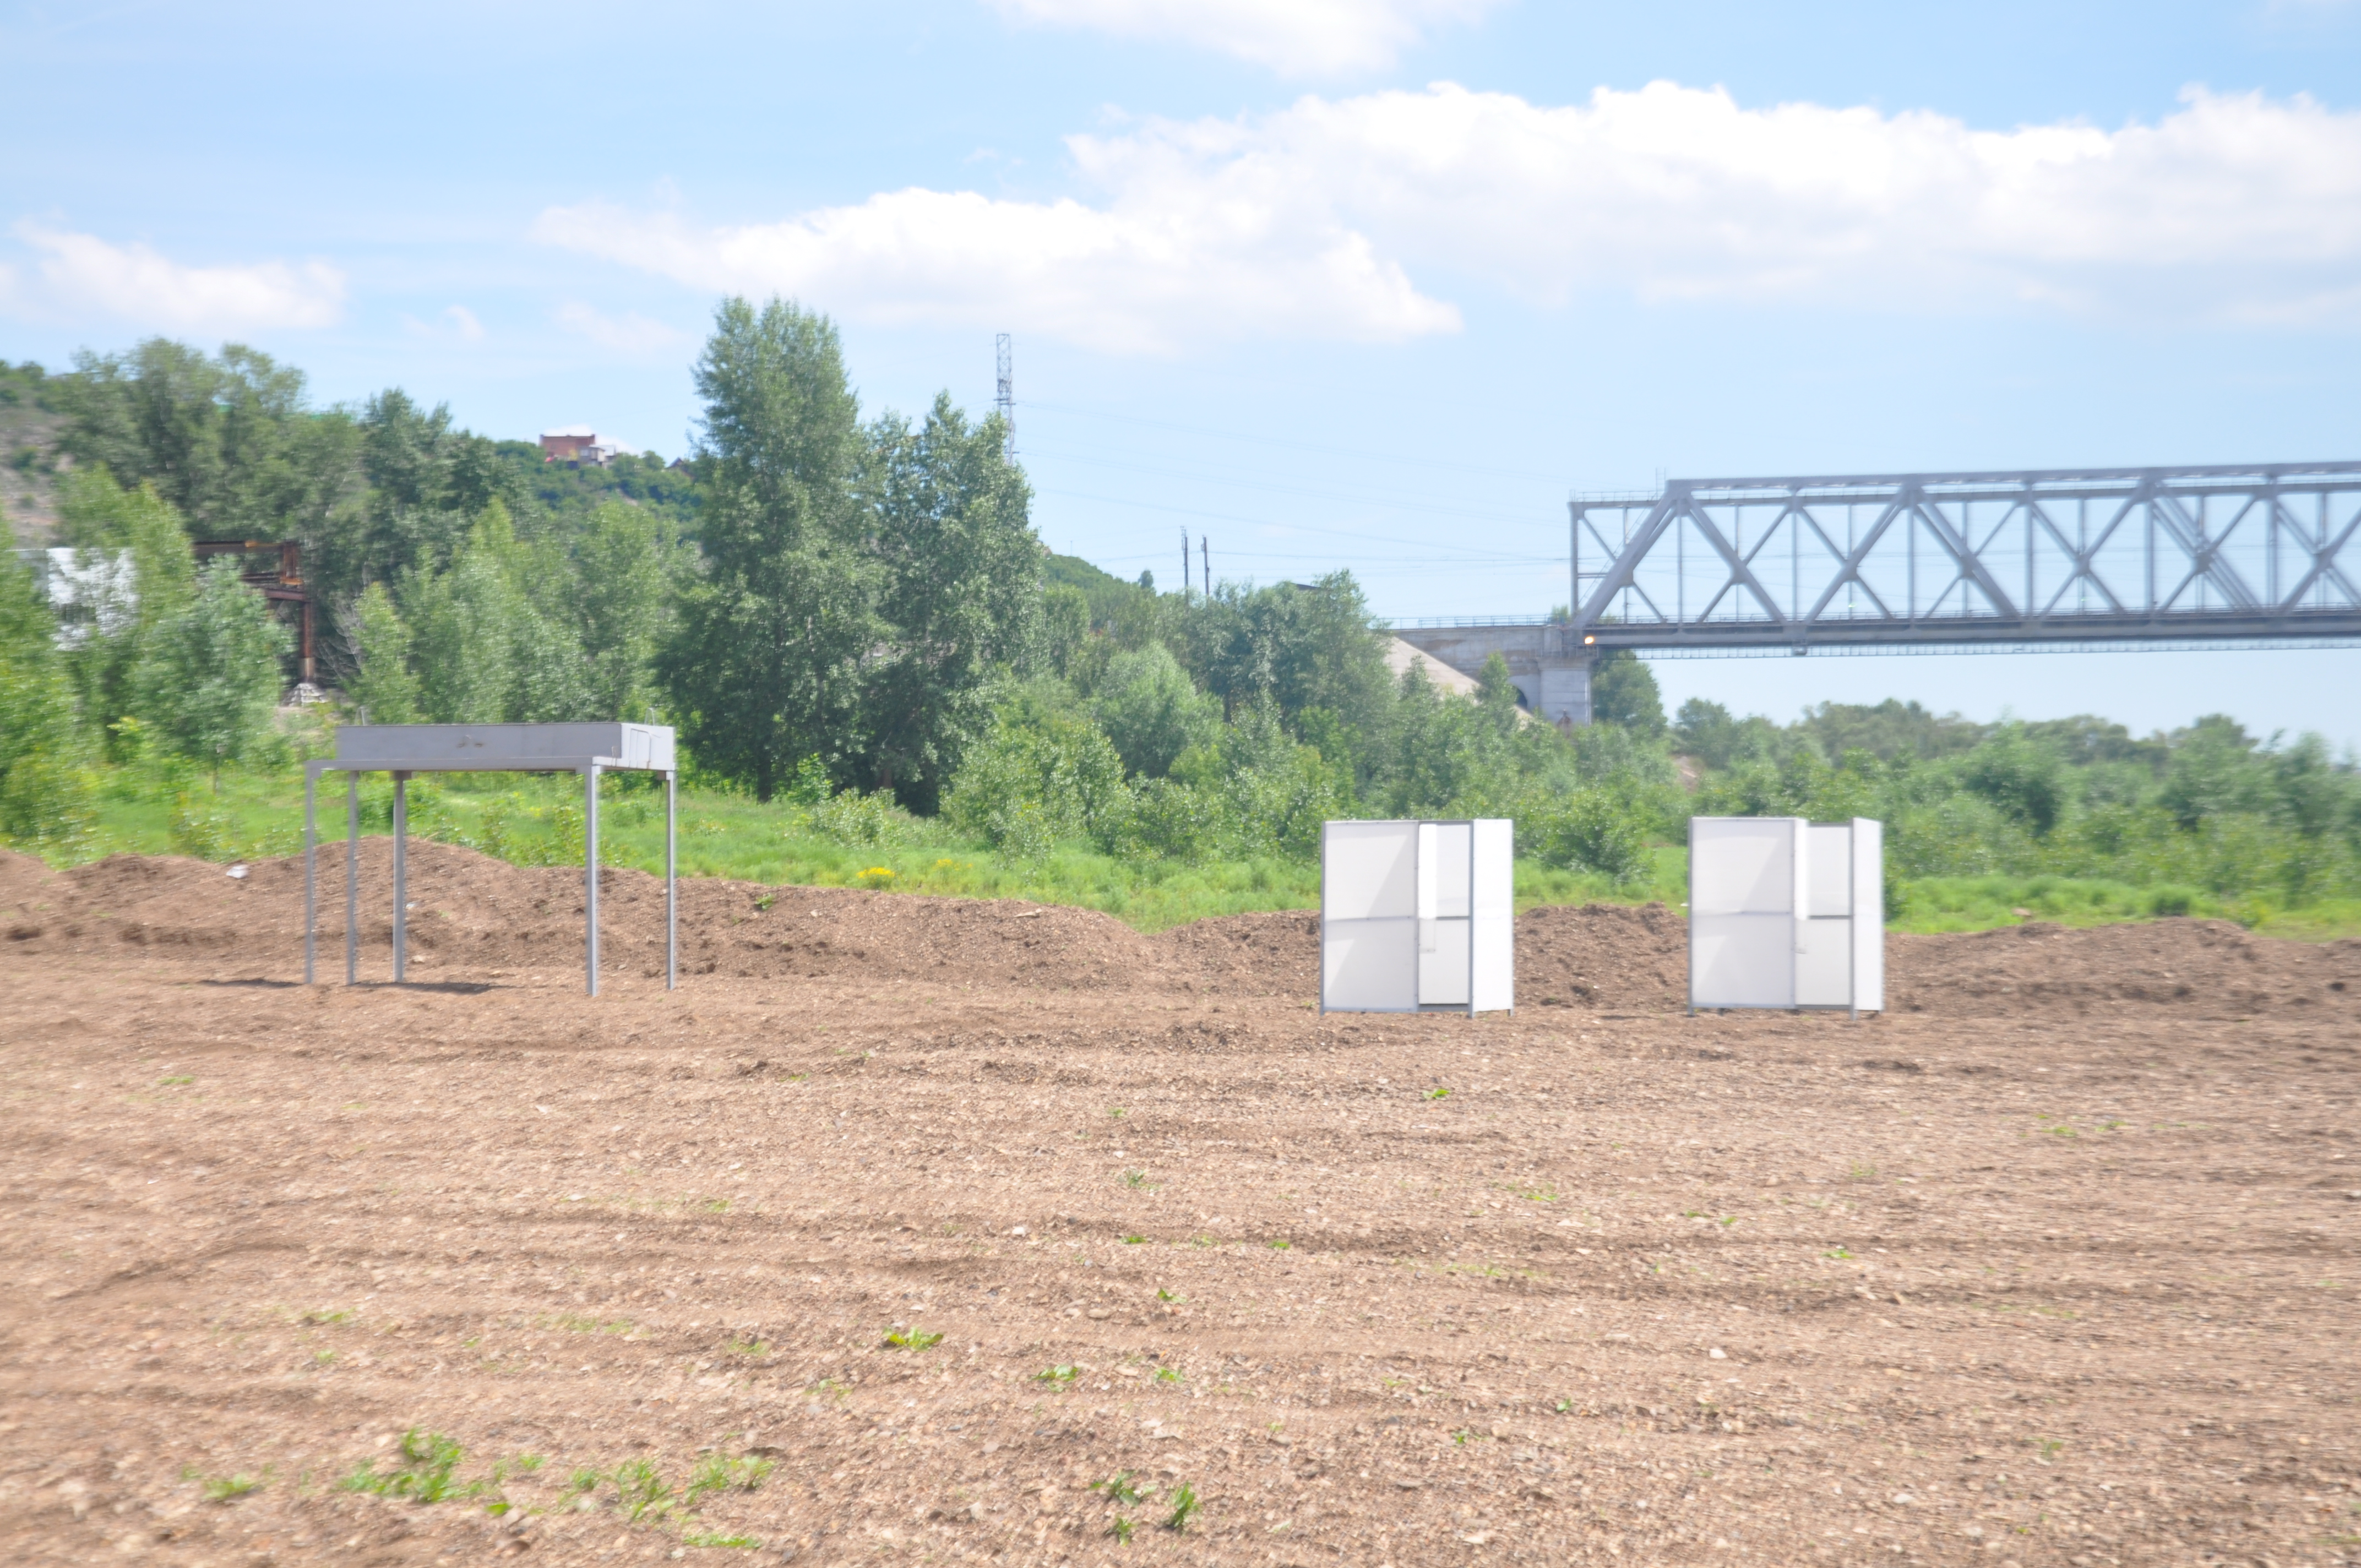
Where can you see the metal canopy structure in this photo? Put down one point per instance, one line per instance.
(402, 750)
(2241, 553)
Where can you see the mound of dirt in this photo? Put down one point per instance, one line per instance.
(1601, 956)
(1608, 957)
(2209, 969)
(473, 917)
(33, 898)
(1273, 953)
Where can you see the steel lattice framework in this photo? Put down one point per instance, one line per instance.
(2166, 554)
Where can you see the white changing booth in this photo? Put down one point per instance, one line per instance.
(1418, 916)
(1786, 913)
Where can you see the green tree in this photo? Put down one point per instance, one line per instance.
(1623, 691)
(1036, 779)
(622, 594)
(135, 573)
(763, 665)
(1300, 646)
(1065, 629)
(1274, 791)
(209, 678)
(226, 440)
(2214, 771)
(382, 684)
(960, 590)
(44, 792)
(2019, 775)
(484, 650)
(1152, 712)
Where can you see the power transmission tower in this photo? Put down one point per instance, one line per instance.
(1005, 400)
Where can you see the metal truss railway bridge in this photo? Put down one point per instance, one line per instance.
(2255, 555)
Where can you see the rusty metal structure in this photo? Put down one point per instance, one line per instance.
(274, 568)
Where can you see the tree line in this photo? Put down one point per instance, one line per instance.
(824, 603)
(854, 611)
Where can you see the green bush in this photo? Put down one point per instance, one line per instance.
(208, 682)
(1038, 779)
(45, 784)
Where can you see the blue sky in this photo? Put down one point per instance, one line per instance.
(1369, 283)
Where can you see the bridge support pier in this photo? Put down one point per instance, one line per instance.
(1552, 671)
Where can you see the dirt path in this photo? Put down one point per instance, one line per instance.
(2061, 1273)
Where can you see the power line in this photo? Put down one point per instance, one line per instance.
(1298, 445)
(1390, 502)
(1266, 522)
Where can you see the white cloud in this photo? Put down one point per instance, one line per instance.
(79, 274)
(1136, 276)
(1312, 221)
(456, 322)
(1297, 38)
(626, 333)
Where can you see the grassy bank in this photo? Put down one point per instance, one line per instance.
(538, 821)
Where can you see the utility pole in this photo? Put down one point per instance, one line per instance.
(1005, 398)
(1205, 548)
(1185, 566)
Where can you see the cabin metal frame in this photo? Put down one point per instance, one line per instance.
(402, 750)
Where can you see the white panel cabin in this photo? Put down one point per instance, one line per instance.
(1418, 916)
(1785, 912)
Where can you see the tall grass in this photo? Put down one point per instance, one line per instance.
(538, 821)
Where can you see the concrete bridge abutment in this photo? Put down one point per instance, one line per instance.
(1550, 667)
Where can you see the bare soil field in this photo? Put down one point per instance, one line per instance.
(932, 1231)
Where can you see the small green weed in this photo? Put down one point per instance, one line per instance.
(1135, 1241)
(766, 900)
(912, 1339)
(174, 1081)
(1438, 1094)
(1121, 1530)
(747, 1344)
(1134, 1179)
(1279, 1244)
(1184, 1504)
(1169, 1374)
(1540, 1194)
(641, 1491)
(716, 1205)
(1164, 1295)
(224, 1488)
(719, 1472)
(429, 1472)
(1117, 1112)
(1564, 1407)
(1119, 1488)
(1861, 1172)
(1060, 1377)
(1838, 1254)
(713, 1538)
(584, 1481)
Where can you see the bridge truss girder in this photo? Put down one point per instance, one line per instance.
(2164, 554)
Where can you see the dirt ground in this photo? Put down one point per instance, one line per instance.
(2055, 1263)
